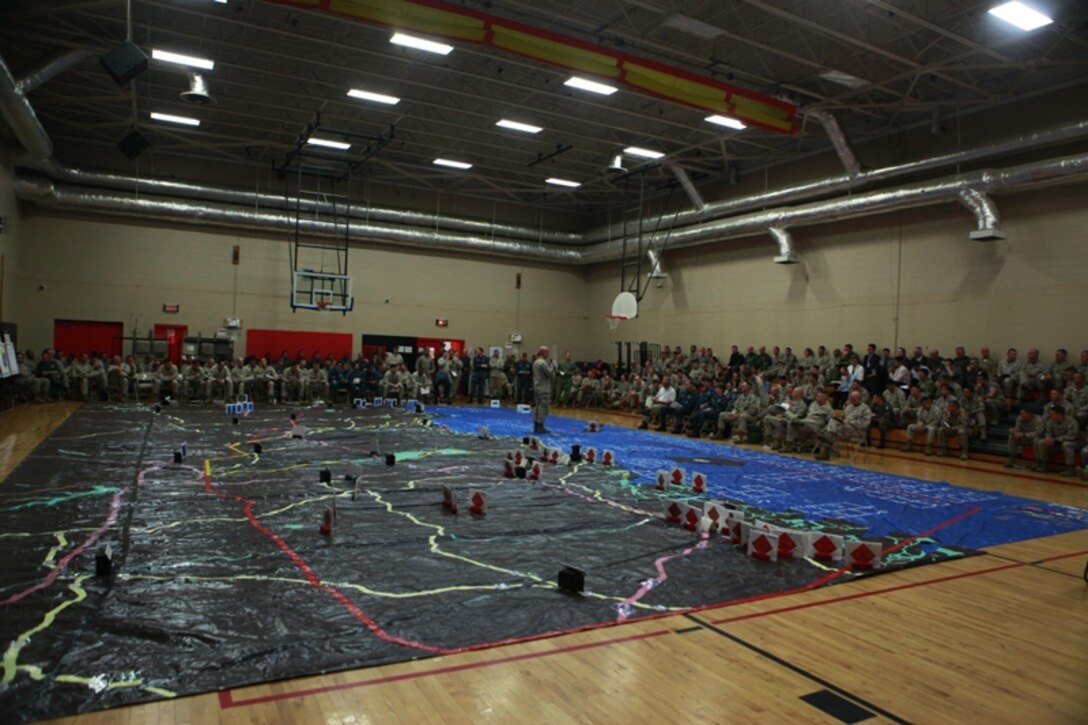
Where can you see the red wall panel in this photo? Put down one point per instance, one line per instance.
(87, 336)
(259, 342)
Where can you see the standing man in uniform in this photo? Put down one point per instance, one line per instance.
(543, 379)
(563, 384)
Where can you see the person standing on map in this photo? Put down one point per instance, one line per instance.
(543, 379)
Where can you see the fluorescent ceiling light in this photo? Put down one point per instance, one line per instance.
(592, 86)
(693, 26)
(726, 121)
(1020, 15)
(562, 182)
(376, 97)
(452, 164)
(644, 153)
(412, 41)
(167, 57)
(843, 79)
(329, 143)
(517, 126)
(221, 2)
(168, 118)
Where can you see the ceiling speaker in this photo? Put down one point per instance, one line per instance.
(124, 62)
(134, 144)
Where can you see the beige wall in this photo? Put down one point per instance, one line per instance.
(107, 268)
(1029, 290)
(9, 248)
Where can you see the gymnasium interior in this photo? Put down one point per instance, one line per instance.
(287, 288)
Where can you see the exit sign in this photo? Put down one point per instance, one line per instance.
(172, 309)
(442, 323)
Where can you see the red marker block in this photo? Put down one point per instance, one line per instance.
(478, 503)
(698, 482)
(508, 469)
(591, 455)
(534, 472)
(326, 526)
(608, 457)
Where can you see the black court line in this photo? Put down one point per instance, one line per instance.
(1034, 565)
(800, 670)
(687, 630)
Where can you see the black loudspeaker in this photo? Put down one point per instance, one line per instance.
(124, 62)
(133, 145)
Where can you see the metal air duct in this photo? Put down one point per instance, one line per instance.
(227, 195)
(859, 205)
(784, 240)
(685, 183)
(844, 182)
(20, 117)
(49, 66)
(839, 141)
(985, 212)
(46, 193)
(931, 192)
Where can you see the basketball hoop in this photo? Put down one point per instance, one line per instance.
(615, 320)
(323, 307)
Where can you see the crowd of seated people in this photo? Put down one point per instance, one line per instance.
(820, 399)
(56, 376)
(811, 401)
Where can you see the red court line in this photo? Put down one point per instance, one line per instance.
(885, 590)
(227, 701)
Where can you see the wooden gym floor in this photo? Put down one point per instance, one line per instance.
(995, 638)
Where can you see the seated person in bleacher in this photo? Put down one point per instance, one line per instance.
(1059, 432)
(1031, 375)
(954, 423)
(170, 378)
(927, 419)
(686, 399)
(746, 409)
(705, 411)
(664, 398)
(853, 426)
(1076, 400)
(776, 426)
(973, 406)
(800, 433)
(1027, 428)
(30, 385)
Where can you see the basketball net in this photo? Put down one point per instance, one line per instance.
(614, 321)
(323, 307)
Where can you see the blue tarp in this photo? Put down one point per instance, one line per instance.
(884, 504)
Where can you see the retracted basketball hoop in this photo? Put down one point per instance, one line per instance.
(624, 307)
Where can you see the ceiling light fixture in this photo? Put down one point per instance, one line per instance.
(329, 143)
(592, 86)
(695, 27)
(452, 164)
(562, 182)
(376, 97)
(169, 118)
(843, 79)
(726, 121)
(411, 41)
(1020, 15)
(643, 153)
(518, 126)
(190, 60)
